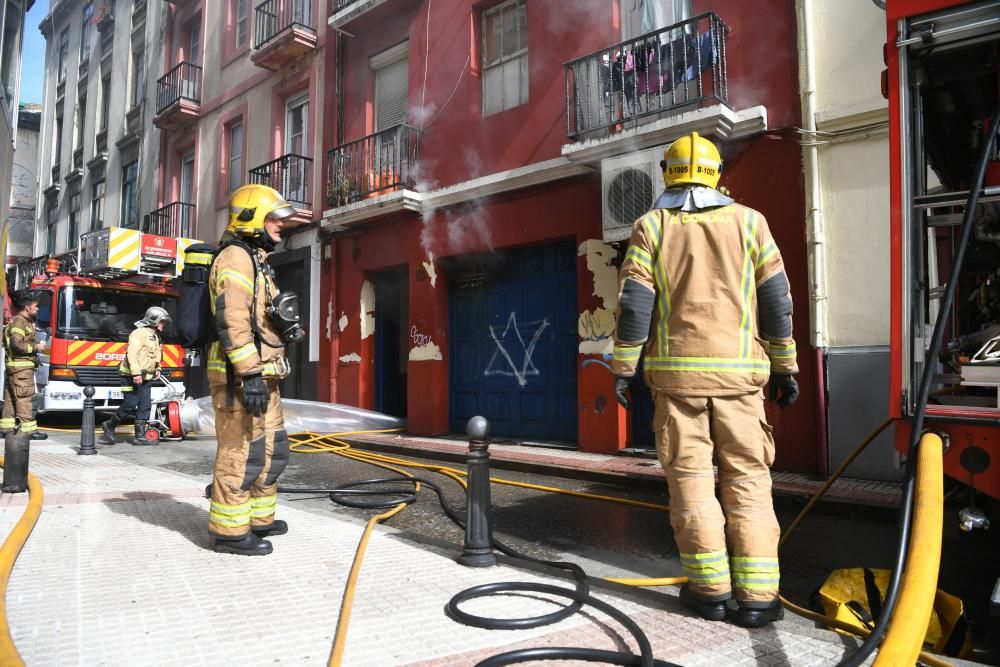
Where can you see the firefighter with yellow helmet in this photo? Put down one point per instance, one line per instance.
(704, 299)
(245, 365)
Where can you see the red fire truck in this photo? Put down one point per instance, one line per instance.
(942, 83)
(91, 298)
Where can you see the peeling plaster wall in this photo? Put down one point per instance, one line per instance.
(353, 358)
(426, 352)
(429, 268)
(597, 326)
(367, 309)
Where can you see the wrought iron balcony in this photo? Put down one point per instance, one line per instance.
(678, 67)
(283, 31)
(374, 165)
(178, 96)
(291, 175)
(177, 220)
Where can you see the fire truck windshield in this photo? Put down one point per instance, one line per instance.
(89, 313)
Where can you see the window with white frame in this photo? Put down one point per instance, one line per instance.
(63, 53)
(81, 120)
(74, 218)
(645, 16)
(85, 28)
(138, 78)
(105, 104)
(235, 159)
(241, 11)
(97, 205)
(10, 55)
(130, 195)
(57, 142)
(505, 56)
(51, 223)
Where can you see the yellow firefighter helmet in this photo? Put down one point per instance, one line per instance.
(691, 159)
(250, 205)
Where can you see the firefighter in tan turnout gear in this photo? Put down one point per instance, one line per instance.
(139, 369)
(704, 299)
(245, 365)
(21, 349)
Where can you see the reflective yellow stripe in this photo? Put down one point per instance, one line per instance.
(7, 423)
(198, 258)
(782, 351)
(747, 283)
(126, 388)
(264, 506)
(640, 257)
(768, 251)
(241, 353)
(20, 363)
(660, 274)
(229, 515)
(237, 278)
(17, 330)
(651, 222)
(707, 364)
(29, 426)
(623, 353)
(706, 568)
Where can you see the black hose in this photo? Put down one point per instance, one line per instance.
(926, 379)
(579, 596)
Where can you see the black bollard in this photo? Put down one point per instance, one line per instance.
(478, 548)
(15, 466)
(87, 423)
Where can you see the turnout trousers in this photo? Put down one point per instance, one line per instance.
(252, 454)
(727, 544)
(18, 393)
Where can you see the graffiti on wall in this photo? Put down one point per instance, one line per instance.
(509, 344)
(423, 348)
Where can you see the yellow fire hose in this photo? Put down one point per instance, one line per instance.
(8, 554)
(906, 635)
(916, 599)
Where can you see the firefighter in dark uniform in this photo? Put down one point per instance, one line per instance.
(22, 349)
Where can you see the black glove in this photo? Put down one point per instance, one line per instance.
(783, 390)
(254, 394)
(621, 389)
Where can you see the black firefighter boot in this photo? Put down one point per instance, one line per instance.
(277, 527)
(244, 545)
(140, 438)
(108, 427)
(710, 608)
(38, 435)
(757, 614)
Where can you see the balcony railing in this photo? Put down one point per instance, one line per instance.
(291, 175)
(175, 220)
(273, 17)
(181, 83)
(376, 164)
(682, 65)
(340, 4)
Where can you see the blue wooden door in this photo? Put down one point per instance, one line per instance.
(513, 321)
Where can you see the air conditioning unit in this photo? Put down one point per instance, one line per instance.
(629, 185)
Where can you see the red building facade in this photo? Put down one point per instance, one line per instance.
(486, 161)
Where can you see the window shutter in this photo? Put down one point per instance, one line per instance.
(391, 90)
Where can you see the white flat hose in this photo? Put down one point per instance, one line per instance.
(198, 417)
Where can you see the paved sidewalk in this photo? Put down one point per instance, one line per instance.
(118, 572)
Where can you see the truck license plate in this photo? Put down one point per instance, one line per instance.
(116, 395)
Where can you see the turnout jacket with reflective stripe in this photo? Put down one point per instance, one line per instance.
(705, 268)
(142, 357)
(232, 291)
(19, 341)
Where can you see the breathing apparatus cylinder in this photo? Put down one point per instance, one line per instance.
(198, 417)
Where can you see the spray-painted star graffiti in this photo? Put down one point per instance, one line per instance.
(527, 368)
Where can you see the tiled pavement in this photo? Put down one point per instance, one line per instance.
(117, 573)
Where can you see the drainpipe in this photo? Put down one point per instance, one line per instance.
(815, 235)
